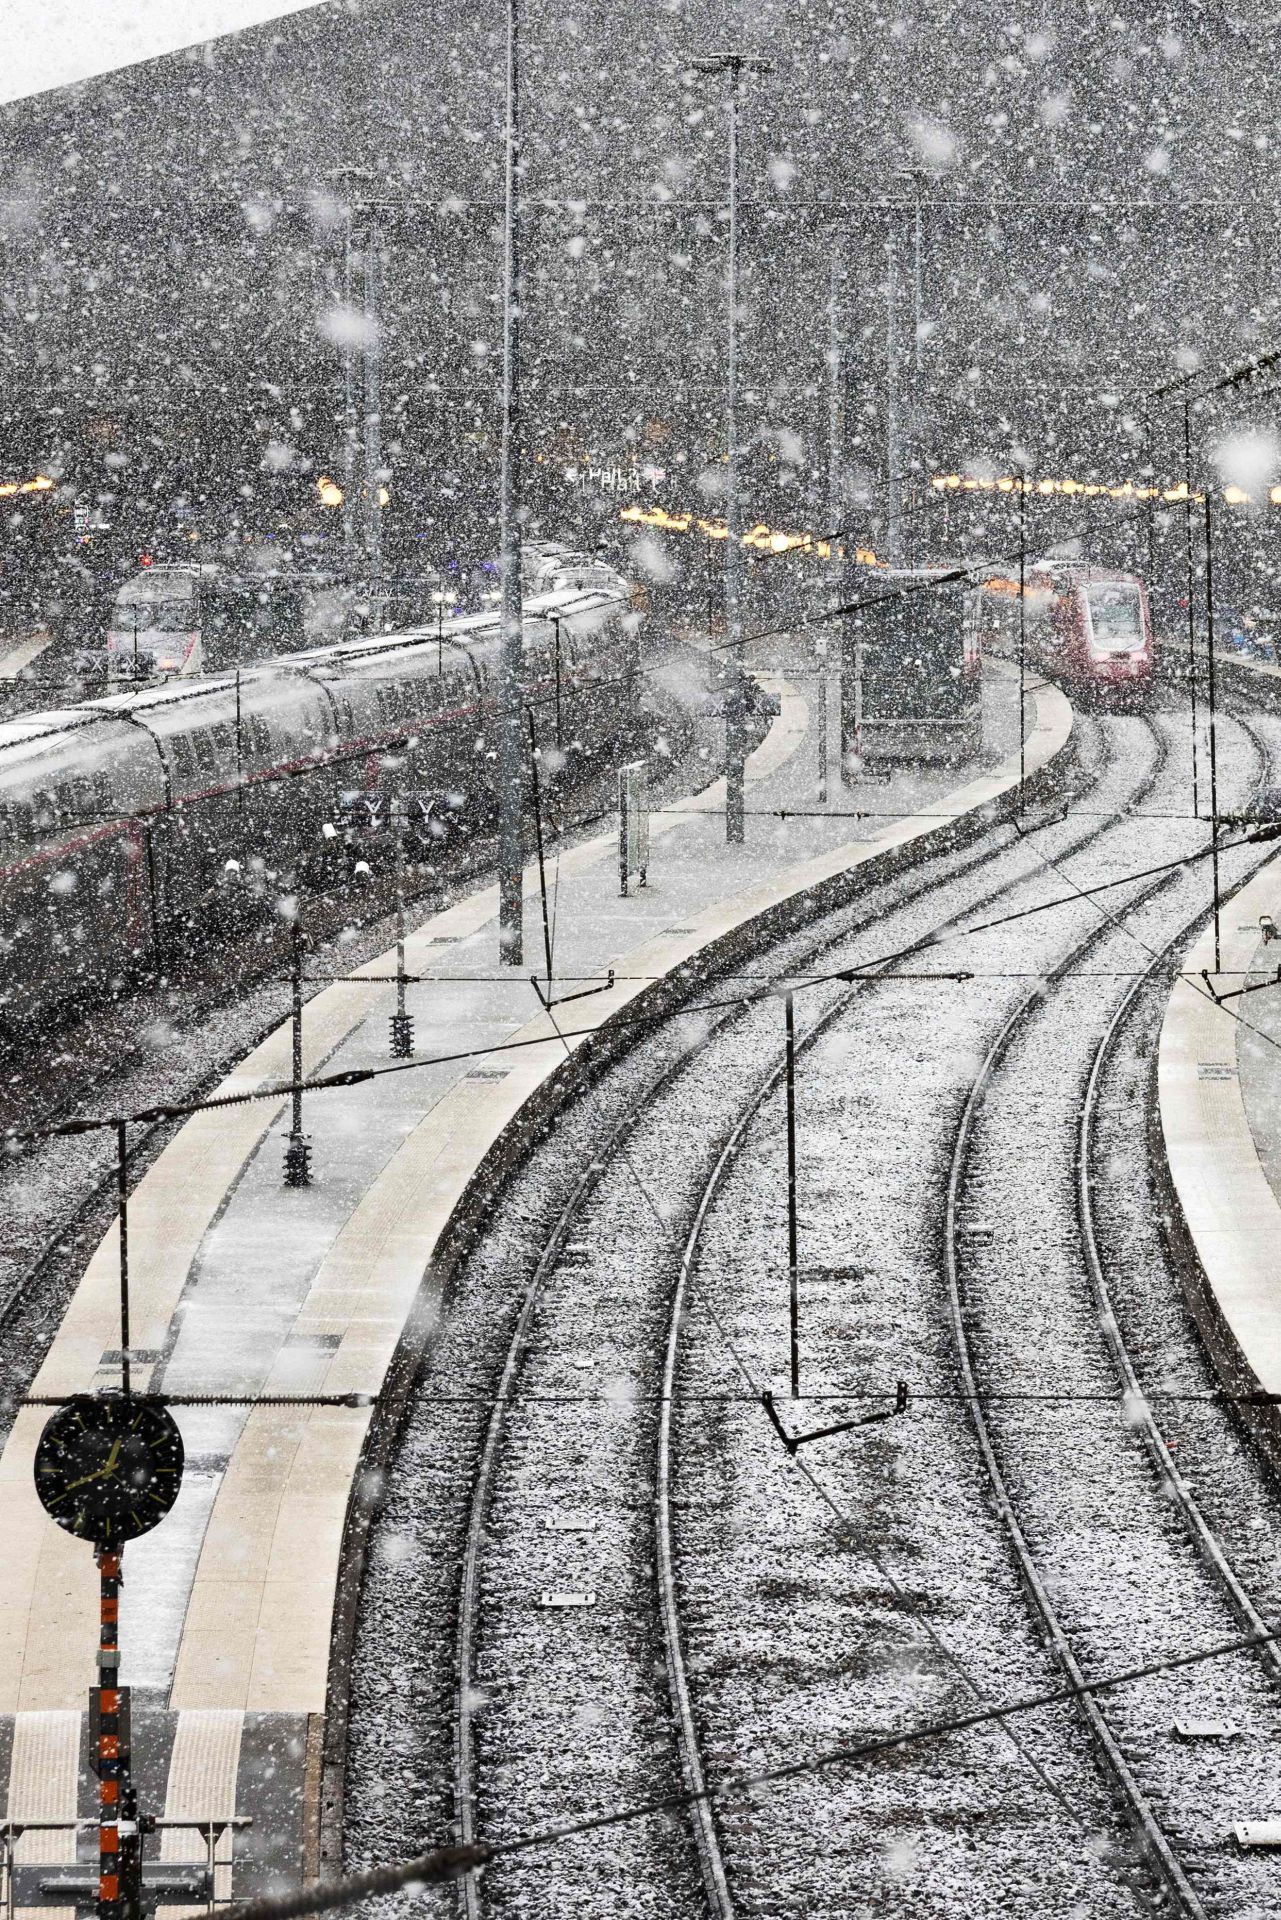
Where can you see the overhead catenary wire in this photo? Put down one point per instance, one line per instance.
(702, 1298)
(443, 1864)
(357, 1076)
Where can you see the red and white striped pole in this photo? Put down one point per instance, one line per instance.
(111, 1760)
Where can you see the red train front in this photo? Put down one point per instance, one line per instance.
(1090, 626)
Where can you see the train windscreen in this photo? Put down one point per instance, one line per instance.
(1116, 617)
(155, 623)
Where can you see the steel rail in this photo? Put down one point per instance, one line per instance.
(710, 1860)
(465, 1772)
(465, 1767)
(465, 1781)
(1155, 1843)
(1199, 1528)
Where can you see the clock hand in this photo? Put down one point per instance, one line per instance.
(103, 1472)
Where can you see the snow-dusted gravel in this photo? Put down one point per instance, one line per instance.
(1111, 1551)
(804, 1621)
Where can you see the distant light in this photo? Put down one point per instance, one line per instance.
(41, 484)
(145, 560)
(331, 494)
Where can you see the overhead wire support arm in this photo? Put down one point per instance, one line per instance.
(1236, 993)
(551, 1000)
(792, 1441)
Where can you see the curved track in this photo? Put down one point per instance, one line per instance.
(1026, 1470)
(626, 1188)
(470, 1693)
(471, 1696)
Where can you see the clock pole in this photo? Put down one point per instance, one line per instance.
(122, 1191)
(108, 1468)
(119, 1840)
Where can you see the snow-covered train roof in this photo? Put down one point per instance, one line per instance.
(465, 632)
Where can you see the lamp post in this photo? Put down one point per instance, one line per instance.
(511, 759)
(893, 507)
(915, 434)
(736, 65)
(371, 282)
(1214, 779)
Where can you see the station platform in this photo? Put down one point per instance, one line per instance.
(1219, 1076)
(245, 1290)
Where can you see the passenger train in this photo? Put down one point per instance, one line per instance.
(1091, 627)
(189, 620)
(121, 820)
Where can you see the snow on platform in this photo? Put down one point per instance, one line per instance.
(1219, 1084)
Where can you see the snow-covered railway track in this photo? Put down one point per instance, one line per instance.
(526, 1478)
(1043, 1365)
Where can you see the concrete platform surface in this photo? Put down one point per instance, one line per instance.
(1219, 1087)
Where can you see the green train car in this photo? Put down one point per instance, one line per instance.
(911, 672)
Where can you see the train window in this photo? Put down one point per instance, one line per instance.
(184, 757)
(255, 739)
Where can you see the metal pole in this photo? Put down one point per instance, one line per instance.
(822, 724)
(240, 758)
(1022, 486)
(297, 1024)
(835, 392)
(538, 837)
(511, 759)
(918, 301)
(735, 705)
(1214, 781)
(297, 1148)
(110, 1763)
(122, 1197)
(709, 590)
(793, 1261)
(1192, 676)
(402, 1026)
(349, 410)
(400, 916)
(1151, 504)
(893, 527)
(371, 276)
(560, 730)
(916, 409)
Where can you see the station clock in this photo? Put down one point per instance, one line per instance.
(108, 1466)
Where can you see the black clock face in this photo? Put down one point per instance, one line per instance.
(107, 1468)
